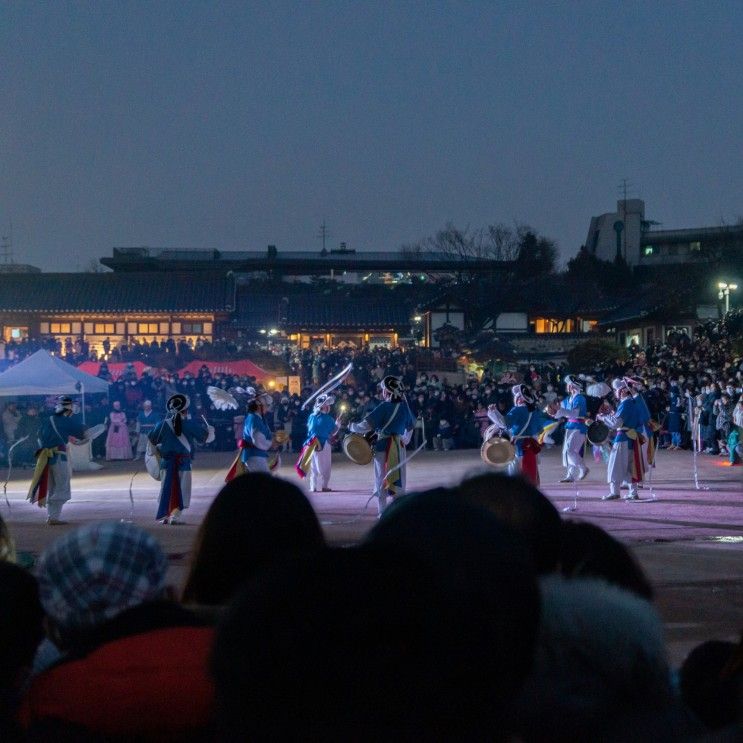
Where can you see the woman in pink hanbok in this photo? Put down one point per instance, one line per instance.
(118, 445)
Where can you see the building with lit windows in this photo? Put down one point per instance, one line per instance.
(626, 232)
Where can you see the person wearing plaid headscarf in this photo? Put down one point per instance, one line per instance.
(133, 664)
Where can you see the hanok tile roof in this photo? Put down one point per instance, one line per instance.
(116, 292)
(315, 310)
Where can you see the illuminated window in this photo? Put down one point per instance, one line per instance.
(104, 328)
(648, 250)
(44, 328)
(192, 328)
(552, 325)
(147, 328)
(60, 327)
(695, 247)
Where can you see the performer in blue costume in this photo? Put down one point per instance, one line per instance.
(259, 450)
(175, 438)
(524, 424)
(393, 423)
(316, 454)
(625, 461)
(50, 484)
(575, 409)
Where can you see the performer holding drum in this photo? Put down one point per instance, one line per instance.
(524, 423)
(575, 409)
(316, 454)
(174, 439)
(50, 484)
(625, 460)
(393, 423)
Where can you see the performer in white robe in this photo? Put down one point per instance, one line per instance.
(575, 409)
(317, 451)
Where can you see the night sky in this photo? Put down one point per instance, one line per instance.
(235, 125)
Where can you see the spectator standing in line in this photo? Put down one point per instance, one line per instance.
(118, 445)
(11, 419)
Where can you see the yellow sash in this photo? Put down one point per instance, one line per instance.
(42, 462)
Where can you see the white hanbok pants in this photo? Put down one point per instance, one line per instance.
(571, 452)
(320, 467)
(257, 464)
(59, 491)
(620, 468)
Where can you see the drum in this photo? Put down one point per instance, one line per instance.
(357, 448)
(498, 452)
(152, 461)
(598, 433)
(280, 437)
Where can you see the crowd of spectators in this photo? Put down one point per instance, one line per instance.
(467, 613)
(686, 381)
(163, 352)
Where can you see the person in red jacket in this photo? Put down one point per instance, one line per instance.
(134, 664)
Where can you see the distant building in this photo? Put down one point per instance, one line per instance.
(342, 265)
(18, 268)
(627, 233)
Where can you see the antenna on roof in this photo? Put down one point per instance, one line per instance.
(624, 187)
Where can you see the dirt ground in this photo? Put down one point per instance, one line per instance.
(687, 534)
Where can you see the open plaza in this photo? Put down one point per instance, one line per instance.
(687, 538)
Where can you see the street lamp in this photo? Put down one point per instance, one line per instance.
(724, 292)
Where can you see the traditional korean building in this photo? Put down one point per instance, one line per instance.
(121, 308)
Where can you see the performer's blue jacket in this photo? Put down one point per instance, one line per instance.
(163, 436)
(632, 417)
(321, 425)
(254, 426)
(578, 402)
(516, 419)
(644, 412)
(66, 426)
(385, 424)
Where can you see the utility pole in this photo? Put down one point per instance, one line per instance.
(6, 246)
(323, 235)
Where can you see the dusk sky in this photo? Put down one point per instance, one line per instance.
(235, 125)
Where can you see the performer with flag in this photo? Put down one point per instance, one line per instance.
(393, 423)
(575, 409)
(316, 454)
(524, 424)
(50, 484)
(174, 437)
(625, 461)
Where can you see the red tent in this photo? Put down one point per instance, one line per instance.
(242, 368)
(116, 369)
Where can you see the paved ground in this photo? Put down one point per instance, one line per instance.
(689, 538)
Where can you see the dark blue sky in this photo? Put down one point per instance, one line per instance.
(235, 125)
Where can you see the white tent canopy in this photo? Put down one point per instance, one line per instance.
(43, 374)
